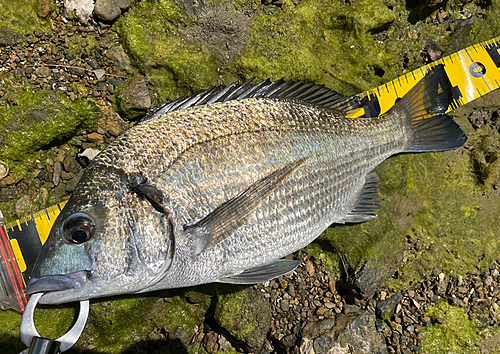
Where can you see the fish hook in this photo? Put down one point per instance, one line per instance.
(29, 332)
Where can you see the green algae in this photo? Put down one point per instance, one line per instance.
(20, 16)
(230, 309)
(150, 34)
(30, 120)
(456, 335)
(322, 42)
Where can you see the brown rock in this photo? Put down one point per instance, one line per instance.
(43, 8)
(93, 137)
(210, 342)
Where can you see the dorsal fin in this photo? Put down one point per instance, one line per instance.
(281, 89)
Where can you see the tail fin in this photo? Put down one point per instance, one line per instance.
(425, 106)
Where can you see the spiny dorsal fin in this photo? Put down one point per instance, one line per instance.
(281, 89)
(224, 220)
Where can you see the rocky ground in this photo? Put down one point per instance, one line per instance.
(88, 69)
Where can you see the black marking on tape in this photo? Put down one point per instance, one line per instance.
(29, 243)
(493, 53)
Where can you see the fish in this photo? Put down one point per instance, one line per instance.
(222, 185)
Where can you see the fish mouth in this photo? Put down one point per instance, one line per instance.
(57, 288)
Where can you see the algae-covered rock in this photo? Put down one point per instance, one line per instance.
(453, 332)
(246, 315)
(24, 16)
(29, 121)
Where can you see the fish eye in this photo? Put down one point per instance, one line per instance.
(78, 228)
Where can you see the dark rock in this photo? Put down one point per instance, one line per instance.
(117, 83)
(69, 56)
(361, 334)
(246, 315)
(107, 10)
(315, 329)
(70, 164)
(370, 278)
(75, 70)
(385, 309)
(9, 37)
(134, 100)
(71, 185)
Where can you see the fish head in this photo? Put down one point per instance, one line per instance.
(106, 241)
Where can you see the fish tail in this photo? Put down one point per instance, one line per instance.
(430, 129)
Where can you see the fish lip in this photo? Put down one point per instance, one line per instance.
(57, 287)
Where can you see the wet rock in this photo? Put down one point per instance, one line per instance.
(134, 100)
(124, 4)
(107, 10)
(315, 329)
(9, 37)
(361, 334)
(11, 179)
(369, 279)
(246, 315)
(43, 71)
(43, 8)
(385, 308)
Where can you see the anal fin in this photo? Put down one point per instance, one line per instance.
(263, 273)
(366, 205)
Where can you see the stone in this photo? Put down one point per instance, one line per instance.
(81, 8)
(56, 177)
(23, 205)
(9, 37)
(70, 164)
(43, 71)
(43, 8)
(315, 329)
(107, 10)
(385, 309)
(4, 170)
(361, 334)
(134, 100)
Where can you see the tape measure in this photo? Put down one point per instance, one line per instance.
(473, 72)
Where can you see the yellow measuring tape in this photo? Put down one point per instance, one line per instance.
(473, 72)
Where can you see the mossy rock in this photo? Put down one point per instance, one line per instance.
(245, 314)
(29, 121)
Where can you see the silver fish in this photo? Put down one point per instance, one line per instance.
(220, 186)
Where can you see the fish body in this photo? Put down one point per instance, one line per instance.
(220, 191)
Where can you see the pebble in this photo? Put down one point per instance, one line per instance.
(4, 170)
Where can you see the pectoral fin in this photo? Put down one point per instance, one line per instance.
(224, 220)
(263, 273)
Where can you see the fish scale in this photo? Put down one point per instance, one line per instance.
(326, 185)
(220, 186)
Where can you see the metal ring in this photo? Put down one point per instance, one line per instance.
(29, 331)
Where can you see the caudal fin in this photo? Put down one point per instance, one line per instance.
(425, 106)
